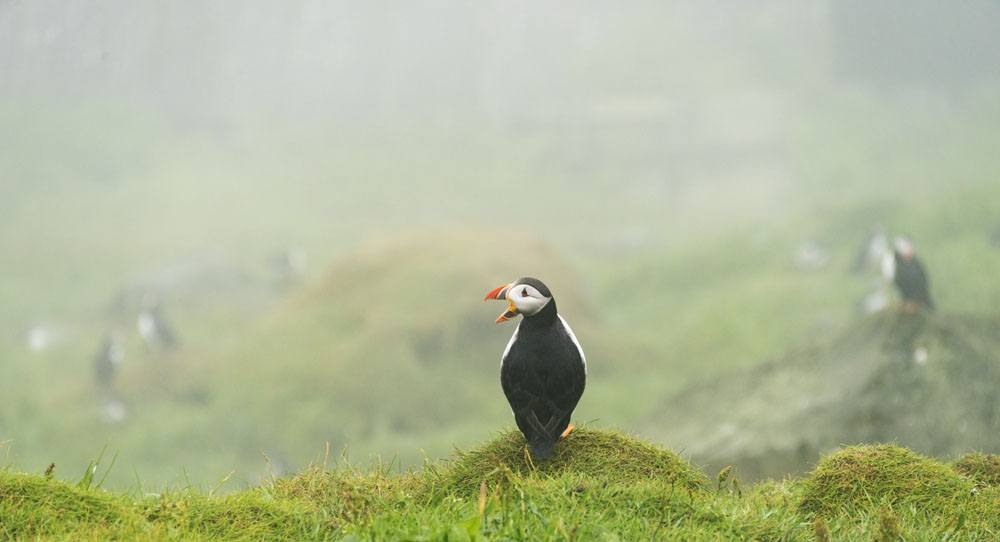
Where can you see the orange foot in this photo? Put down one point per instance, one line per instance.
(569, 429)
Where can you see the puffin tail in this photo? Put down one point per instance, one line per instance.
(542, 449)
(543, 444)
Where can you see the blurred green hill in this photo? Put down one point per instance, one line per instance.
(391, 346)
(927, 381)
(383, 345)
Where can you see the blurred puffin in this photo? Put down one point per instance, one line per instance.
(153, 326)
(108, 360)
(909, 275)
(873, 251)
(543, 370)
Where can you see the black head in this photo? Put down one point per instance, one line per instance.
(536, 284)
(526, 295)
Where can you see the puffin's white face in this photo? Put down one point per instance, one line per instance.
(905, 247)
(527, 299)
(521, 298)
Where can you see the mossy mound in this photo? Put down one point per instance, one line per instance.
(881, 475)
(593, 454)
(983, 468)
(33, 506)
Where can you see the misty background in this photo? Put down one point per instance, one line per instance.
(313, 197)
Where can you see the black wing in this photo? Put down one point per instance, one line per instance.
(543, 381)
(912, 281)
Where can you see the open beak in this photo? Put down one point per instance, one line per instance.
(500, 293)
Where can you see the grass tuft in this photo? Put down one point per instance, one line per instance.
(593, 454)
(983, 468)
(349, 496)
(860, 476)
(32, 506)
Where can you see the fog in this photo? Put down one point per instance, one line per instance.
(235, 232)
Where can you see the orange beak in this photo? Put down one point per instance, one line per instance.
(500, 293)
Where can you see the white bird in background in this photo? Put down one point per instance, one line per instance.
(40, 337)
(153, 327)
(113, 411)
(876, 299)
(810, 256)
(873, 251)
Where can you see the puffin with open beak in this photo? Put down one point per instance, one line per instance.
(543, 370)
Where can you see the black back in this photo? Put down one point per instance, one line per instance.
(165, 333)
(543, 377)
(912, 282)
(105, 364)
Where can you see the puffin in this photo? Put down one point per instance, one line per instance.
(909, 276)
(289, 266)
(543, 370)
(153, 326)
(108, 360)
(872, 252)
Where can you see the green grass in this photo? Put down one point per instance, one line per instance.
(601, 485)
(34, 506)
(983, 468)
(861, 476)
(598, 455)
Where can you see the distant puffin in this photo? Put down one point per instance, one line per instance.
(153, 327)
(543, 370)
(909, 275)
(107, 361)
(871, 253)
(289, 265)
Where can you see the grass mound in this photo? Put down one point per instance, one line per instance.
(881, 475)
(33, 506)
(598, 455)
(983, 468)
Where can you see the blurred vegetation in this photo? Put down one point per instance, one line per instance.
(926, 381)
(382, 345)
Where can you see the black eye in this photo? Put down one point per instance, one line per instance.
(524, 292)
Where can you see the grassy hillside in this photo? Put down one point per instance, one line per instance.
(600, 486)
